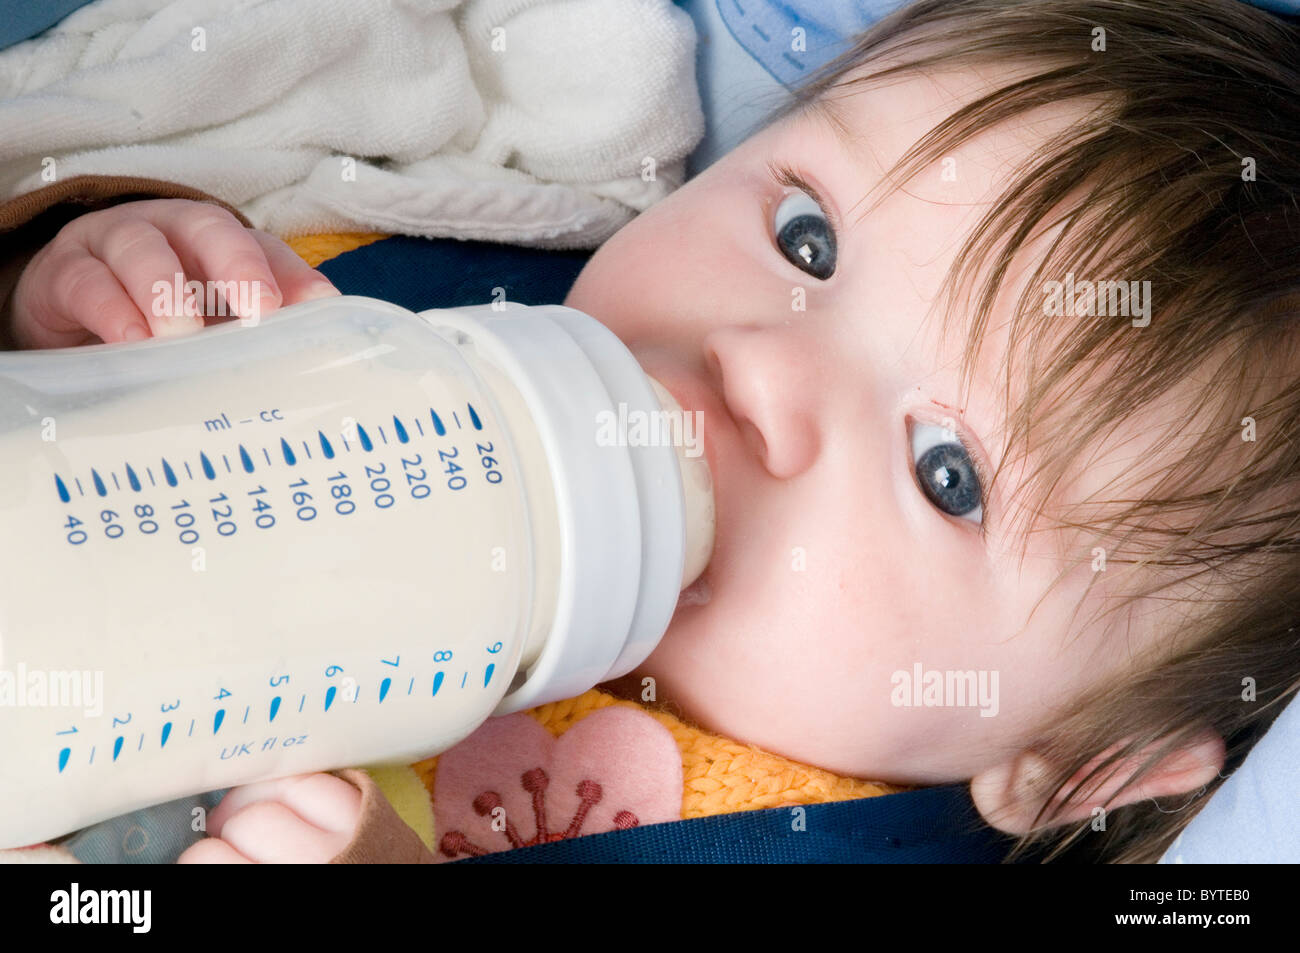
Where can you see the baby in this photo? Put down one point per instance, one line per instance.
(994, 338)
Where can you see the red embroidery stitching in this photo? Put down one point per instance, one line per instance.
(535, 782)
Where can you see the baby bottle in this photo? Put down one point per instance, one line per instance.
(347, 534)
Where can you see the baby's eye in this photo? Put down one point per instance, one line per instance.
(804, 235)
(946, 472)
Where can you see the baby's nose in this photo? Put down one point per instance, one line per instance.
(768, 386)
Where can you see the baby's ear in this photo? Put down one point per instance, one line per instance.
(1009, 795)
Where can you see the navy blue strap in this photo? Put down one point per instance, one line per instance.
(932, 825)
(419, 273)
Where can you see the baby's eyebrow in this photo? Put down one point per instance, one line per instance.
(827, 111)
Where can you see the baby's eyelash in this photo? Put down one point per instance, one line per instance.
(981, 473)
(787, 177)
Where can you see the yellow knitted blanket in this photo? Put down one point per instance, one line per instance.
(720, 775)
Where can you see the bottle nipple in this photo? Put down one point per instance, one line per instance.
(697, 485)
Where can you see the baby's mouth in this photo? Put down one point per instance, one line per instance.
(697, 593)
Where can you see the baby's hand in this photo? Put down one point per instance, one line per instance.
(95, 280)
(306, 819)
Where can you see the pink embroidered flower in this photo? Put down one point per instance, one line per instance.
(510, 784)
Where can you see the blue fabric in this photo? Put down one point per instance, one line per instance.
(419, 273)
(151, 835)
(23, 19)
(792, 39)
(745, 60)
(1288, 7)
(1252, 818)
(746, 66)
(929, 826)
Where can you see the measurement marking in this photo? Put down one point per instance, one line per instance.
(325, 447)
(329, 696)
(168, 473)
(289, 458)
(306, 449)
(366, 445)
(188, 472)
(99, 484)
(140, 746)
(438, 428)
(346, 446)
(152, 481)
(226, 460)
(473, 417)
(79, 489)
(419, 426)
(216, 721)
(247, 420)
(244, 459)
(456, 417)
(208, 472)
(116, 485)
(246, 713)
(437, 682)
(487, 676)
(117, 747)
(132, 479)
(275, 707)
(383, 689)
(382, 436)
(410, 688)
(92, 754)
(356, 694)
(63, 759)
(63, 490)
(166, 733)
(462, 679)
(191, 732)
(266, 453)
(300, 703)
(400, 430)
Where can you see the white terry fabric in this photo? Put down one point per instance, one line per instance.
(270, 104)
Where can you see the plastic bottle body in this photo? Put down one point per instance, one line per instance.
(251, 553)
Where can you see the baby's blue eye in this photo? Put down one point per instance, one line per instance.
(804, 235)
(946, 473)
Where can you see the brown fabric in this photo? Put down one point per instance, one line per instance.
(29, 221)
(381, 836)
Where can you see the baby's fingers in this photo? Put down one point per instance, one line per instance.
(270, 832)
(216, 248)
(328, 802)
(145, 265)
(298, 281)
(211, 850)
(65, 293)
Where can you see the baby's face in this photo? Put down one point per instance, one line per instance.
(834, 568)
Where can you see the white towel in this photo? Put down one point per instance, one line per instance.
(541, 122)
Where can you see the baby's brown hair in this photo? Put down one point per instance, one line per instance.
(1188, 176)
